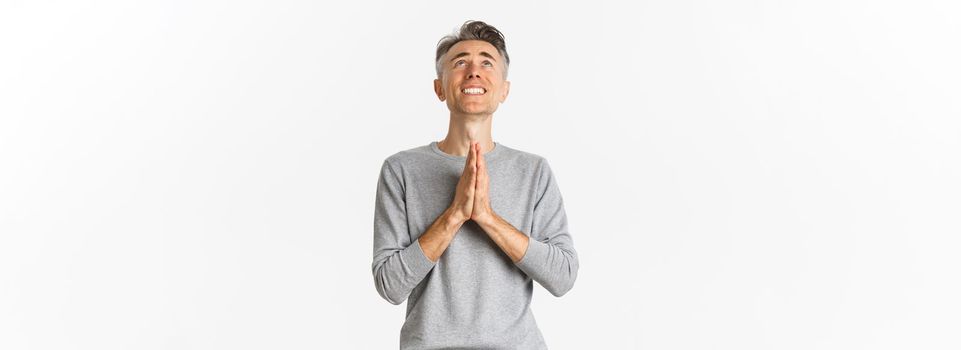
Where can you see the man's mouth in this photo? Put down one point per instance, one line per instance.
(474, 91)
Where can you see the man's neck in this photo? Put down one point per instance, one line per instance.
(464, 129)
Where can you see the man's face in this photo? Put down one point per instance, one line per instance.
(472, 81)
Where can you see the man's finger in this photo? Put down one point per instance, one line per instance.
(481, 164)
(469, 164)
(473, 160)
(481, 170)
(473, 153)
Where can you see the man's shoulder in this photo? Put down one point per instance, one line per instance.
(409, 157)
(521, 158)
(413, 152)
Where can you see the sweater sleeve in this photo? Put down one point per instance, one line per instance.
(550, 258)
(399, 264)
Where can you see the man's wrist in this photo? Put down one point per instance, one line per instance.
(486, 220)
(451, 219)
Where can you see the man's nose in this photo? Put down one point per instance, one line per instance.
(473, 72)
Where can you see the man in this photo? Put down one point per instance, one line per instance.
(462, 226)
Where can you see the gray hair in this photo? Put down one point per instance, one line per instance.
(472, 30)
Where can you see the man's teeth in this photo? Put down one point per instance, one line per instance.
(474, 91)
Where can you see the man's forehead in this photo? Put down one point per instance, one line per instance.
(473, 47)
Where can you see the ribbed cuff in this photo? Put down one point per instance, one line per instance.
(416, 260)
(534, 257)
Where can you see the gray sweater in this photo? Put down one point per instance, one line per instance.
(474, 296)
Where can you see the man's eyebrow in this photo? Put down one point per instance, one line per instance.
(485, 54)
(482, 53)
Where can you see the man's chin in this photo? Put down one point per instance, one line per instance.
(475, 115)
(474, 109)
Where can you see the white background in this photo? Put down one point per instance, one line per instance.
(737, 175)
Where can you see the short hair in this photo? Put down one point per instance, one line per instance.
(472, 30)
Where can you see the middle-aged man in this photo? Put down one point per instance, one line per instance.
(464, 225)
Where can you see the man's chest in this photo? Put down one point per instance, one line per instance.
(512, 194)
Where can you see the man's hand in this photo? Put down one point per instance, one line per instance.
(439, 235)
(514, 243)
(482, 211)
(461, 208)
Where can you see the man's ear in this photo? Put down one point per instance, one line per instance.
(507, 90)
(439, 89)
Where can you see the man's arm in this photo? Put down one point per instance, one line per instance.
(438, 236)
(399, 264)
(548, 255)
(514, 243)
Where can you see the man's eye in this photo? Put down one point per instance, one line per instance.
(459, 63)
(488, 64)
